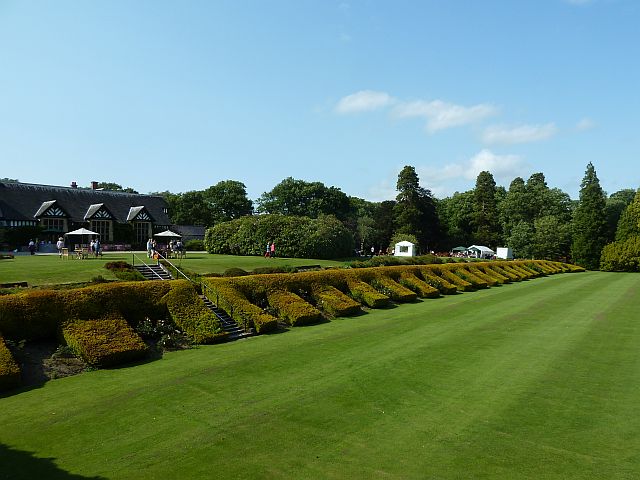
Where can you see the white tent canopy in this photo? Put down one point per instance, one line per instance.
(82, 231)
(168, 234)
(481, 251)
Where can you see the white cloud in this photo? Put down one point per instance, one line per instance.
(441, 115)
(585, 124)
(501, 134)
(364, 101)
(458, 176)
(443, 181)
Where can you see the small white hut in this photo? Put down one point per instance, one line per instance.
(405, 249)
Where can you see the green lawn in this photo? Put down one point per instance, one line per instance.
(539, 379)
(50, 269)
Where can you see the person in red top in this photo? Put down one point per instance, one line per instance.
(273, 249)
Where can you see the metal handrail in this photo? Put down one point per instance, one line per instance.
(133, 262)
(160, 256)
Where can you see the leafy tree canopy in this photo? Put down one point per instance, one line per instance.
(115, 187)
(298, 197)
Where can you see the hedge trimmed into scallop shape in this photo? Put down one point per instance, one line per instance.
(293, 309)
(422, 288)
(104, 342)
(189, 312)
(334, 302)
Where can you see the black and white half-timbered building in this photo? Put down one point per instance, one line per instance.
(116, 216)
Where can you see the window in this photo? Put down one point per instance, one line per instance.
(53, 224)
(142, 231)
(103, 227)
(404, 249)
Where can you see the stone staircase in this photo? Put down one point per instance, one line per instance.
(234, 331)
(153, 272)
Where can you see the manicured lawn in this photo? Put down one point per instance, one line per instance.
(539, 379)
(50, 269)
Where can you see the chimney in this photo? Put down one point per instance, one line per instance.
(94, 185)
(74, 185)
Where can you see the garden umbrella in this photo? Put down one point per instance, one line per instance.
(82, 232)
(168, 234)
(458, 249)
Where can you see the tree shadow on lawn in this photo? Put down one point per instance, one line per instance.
(19, 464)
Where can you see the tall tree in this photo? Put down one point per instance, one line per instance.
(415, 209)
(485, 214)
(228, 200)
(515, 207)
(589, 222)
(456, 218)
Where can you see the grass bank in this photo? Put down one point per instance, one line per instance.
(537, 379)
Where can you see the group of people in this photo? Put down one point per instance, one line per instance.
(95, 247)
(175, 247)
(271, 250)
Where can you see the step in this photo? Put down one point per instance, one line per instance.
(234, 331)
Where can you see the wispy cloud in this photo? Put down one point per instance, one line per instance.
(585, 124)
(501, 134)
(445, 180)
(441, 115)
(364, 101)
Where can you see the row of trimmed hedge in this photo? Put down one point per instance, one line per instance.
(248, 299)
(98, 321)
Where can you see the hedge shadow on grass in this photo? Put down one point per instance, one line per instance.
(19, 464)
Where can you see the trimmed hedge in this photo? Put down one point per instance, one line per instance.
(488, 269)
(392, 289)
(467, 275)
(227, 296)
(443, 286)
(293, 309)
(189, 312)
(9, 369)
(446, 274)
(490, 280)
(105, 342)
(422, 288)
(38, 314)
(367, 295)
(334, 302)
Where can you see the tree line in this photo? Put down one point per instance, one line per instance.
(535, 220)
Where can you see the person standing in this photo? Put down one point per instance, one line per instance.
(273, 249)
(32, 247)
(96, 247)
(60, 246)
(267, 254)
(149, 248)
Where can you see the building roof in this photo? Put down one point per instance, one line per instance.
(189, 230)
(24, 201)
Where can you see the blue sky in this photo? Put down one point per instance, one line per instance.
(180, 95)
